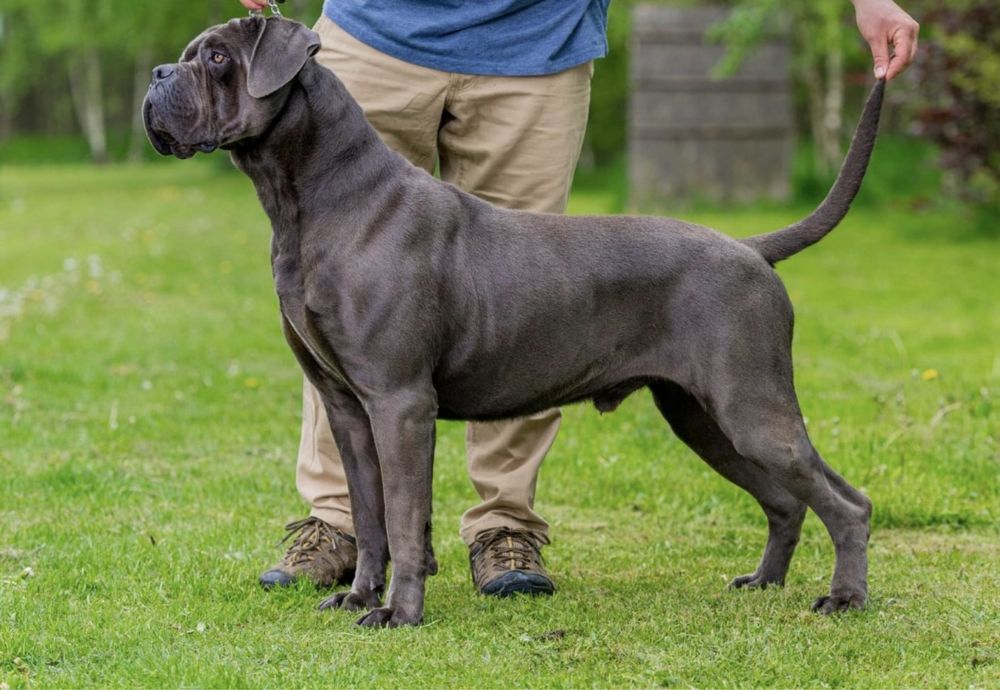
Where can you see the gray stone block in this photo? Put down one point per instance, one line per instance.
(694, 136)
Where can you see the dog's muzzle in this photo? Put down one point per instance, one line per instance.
(160, 135)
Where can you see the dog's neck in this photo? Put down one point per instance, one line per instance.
(313, 169)
(320, 134)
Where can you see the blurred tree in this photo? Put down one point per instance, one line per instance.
(72, 35)
(825, 49)
(958, 105)
(93, 57)
(827, 52)
(606, 130)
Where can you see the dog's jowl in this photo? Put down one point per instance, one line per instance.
(406, 299)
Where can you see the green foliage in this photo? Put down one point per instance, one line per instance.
(818, 28)
(149, 416)
(43, 46)
(57, 30)
(606, 129)
(38, 149)
(824, 54)
(903, 173)
(959, 104)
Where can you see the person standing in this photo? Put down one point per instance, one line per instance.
(495, 95)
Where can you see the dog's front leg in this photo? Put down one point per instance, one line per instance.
(353, 434)
(403, 426)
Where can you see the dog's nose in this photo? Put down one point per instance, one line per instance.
(162, 72)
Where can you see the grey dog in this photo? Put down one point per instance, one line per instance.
(405, 299)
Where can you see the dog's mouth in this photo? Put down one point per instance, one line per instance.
(159, 138)
(165, 143)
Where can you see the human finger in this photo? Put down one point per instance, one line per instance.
(904, 43)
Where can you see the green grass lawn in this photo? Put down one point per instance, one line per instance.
(149, 419)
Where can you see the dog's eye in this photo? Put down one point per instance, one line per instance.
(218, 58)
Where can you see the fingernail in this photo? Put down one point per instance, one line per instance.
(879, 72)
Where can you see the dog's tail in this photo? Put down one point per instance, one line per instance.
(781, 244)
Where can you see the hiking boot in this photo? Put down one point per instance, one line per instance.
(325, 555)
(506, 561)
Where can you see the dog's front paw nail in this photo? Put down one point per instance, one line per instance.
(387, 618)
(835, 603)
(350, 601)
(748, 581)
(376, 618)
(333, 602)
(755, 581)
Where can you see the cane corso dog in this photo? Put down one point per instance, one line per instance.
(406, 299)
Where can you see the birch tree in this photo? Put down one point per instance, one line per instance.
(823, 43)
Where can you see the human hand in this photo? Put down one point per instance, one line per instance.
(254, 4)
(882, 24)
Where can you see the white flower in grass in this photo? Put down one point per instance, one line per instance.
(94, 266)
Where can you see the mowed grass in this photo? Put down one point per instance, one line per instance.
(149, 415)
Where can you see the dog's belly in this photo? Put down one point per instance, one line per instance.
(606, 398)
(516, 384)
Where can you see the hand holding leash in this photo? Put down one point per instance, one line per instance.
(256, 7)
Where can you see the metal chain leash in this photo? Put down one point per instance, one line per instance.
(272, 5)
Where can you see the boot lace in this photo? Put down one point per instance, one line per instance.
(313, 535)
(503, 549)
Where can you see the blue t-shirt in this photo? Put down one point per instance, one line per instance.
(497, 37)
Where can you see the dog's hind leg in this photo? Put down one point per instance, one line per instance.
(784, 512)
(761, 417)
(353, 435)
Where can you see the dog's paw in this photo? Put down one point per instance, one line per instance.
(350, 601)
(387, 618)
(836, 603)
(756, 581)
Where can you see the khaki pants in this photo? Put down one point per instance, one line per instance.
(513, 141)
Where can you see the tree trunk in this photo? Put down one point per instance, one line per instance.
(140, 83)
(833, 108)
(5, 120)
(825, 102)
(86, 89)
(814, 104)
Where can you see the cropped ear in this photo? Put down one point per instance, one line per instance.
(282, 48)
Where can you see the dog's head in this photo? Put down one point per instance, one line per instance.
(230, 83)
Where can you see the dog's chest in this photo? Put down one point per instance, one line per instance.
(306, 348)
(289, 286)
